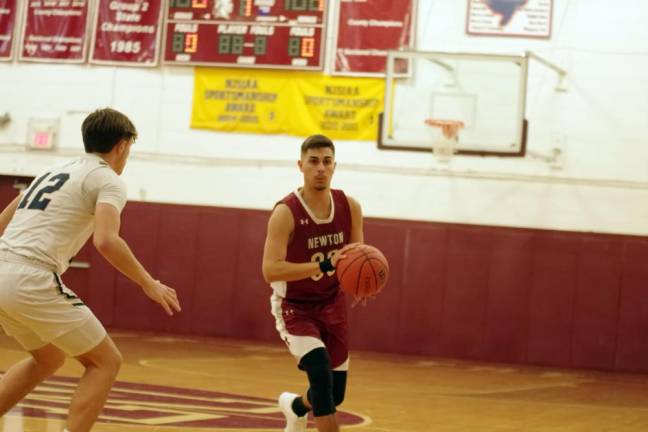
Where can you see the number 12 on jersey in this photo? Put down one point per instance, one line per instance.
(40, 202)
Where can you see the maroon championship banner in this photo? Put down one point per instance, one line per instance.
(367, 30)
(54, 31)
(286, 34)
(7, 26)
(126, 32)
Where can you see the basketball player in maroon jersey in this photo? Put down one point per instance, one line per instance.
(308, 231)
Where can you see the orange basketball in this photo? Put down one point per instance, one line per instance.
(363, 271)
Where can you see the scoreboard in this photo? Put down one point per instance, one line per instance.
(286, 34)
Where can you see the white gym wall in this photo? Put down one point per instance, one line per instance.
(599, 183)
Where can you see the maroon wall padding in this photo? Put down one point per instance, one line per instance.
(478, 292)
(216, 258)
(507, 310)
(632, 328)
(100, 293)
(552, 299)
(140, 228)
(176, 252)
(376, 326)
(250, 311)
(596, 310)
(466, 292)
(421, 310)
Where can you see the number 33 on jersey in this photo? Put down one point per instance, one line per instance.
(319, 257)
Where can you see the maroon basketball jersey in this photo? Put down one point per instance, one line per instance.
(314, 240)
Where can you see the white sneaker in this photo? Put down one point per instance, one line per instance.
(293, 423)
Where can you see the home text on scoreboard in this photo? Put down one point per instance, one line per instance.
(286, 34)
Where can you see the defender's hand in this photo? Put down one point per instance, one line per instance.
(164, 295)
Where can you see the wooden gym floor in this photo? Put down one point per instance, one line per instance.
(192, 384)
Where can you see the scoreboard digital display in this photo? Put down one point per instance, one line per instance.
(287, 34)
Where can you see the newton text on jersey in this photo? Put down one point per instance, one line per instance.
(326, 240)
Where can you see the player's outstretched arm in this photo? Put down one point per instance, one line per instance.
(275, 266)
(7, 214)
(108, 242)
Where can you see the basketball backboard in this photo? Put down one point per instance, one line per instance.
(485, 92)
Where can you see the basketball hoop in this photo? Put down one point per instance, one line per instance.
(445, 146)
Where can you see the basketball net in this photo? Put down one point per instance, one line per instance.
(445, 146)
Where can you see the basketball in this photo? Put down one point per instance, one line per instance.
(363, 271)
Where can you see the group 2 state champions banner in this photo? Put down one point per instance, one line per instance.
(295, 103)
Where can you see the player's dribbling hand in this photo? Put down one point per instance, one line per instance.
(164, 295)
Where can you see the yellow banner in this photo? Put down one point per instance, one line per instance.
(239, 100)
(296, 103)
(339, 107)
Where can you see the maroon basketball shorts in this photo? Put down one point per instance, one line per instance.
(306, 326)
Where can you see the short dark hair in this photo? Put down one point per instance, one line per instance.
(317, 141)
(104, 129)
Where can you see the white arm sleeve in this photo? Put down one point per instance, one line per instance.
(103, 185)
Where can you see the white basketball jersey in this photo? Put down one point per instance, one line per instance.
(55, 216)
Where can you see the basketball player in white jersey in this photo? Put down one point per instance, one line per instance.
(41, 230)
